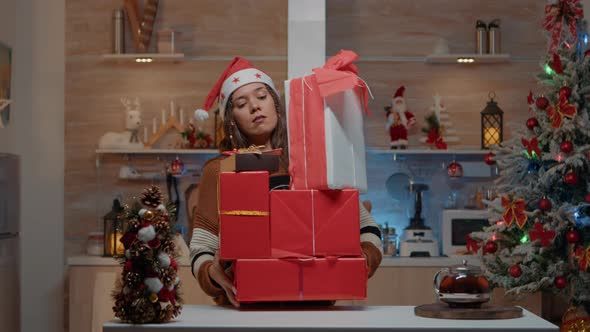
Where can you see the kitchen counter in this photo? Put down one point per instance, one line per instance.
(349, 318)
(400, 281)
(387, 261)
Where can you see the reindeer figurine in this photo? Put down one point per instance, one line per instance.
(128, 139)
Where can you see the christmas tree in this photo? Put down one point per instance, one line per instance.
(438, 126)
(147, 291)
(540, 237)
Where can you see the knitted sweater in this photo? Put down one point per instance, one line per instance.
(205, 240)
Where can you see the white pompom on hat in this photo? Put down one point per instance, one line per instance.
(237, 74)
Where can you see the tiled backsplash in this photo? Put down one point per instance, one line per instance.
(394, 204)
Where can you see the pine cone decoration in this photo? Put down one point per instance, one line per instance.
(152, 197)
(162, 226)
(168, 276)
(133, 225)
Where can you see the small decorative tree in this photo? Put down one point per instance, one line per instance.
(147, 291)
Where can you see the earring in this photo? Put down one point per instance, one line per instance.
(231, 136)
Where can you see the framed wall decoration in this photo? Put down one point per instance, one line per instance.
(5, 76)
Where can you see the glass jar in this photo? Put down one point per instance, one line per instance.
(95, 244)
(462, 286)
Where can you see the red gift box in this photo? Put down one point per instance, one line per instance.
(312, 223)
(244, 230)
(313, 279)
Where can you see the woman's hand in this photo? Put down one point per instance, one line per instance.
(217, 274)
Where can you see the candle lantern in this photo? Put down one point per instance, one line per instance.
(113, 230)
(491, 123)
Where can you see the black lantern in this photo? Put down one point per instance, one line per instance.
(491, 124)
(113, 230)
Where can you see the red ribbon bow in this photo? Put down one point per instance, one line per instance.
(564, 12)
(558, 111)
(583, 256)
(436, 138)
(339, 73)
(556, 65)
(471, 245)
(532, 148)
(539, 233)
(514, 211)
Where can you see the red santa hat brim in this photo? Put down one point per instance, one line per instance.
(238, 73)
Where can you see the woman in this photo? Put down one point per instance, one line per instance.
(252, 115)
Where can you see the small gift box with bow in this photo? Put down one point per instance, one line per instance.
(251, 159)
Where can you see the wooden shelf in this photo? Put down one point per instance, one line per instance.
(477, 58)
(426, 152)
(158, 151)
(155, 57)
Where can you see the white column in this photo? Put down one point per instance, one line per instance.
(307, 36)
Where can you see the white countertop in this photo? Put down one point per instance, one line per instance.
(346, 318)
(387, 261)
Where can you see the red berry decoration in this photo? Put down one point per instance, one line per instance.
(572, 236)
(489, 159)
(587, 198)
(490, 247)
(566, 146)
(571, 178)
(565, 91)
(560, 282)
(542, 103)
(515, 271)
(544, 204)
(531, 123)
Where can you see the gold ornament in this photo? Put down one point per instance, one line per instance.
(148, 215)
(575, 320)
(154, 297)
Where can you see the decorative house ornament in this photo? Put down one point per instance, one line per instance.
(491, 123)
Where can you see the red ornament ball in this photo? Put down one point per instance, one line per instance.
(560, 282)
(565, 91)
(587, 198)
(531, 123)
(515, 271)
(566, 146)
(455, 170)
(490, 247)
(542, 103)
(571, 178)
(176, 167)
(572, 236)
(544, 204)
(489, 159)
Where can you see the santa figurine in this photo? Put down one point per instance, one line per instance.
(399, 120)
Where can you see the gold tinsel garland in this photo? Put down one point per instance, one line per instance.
(575, 320)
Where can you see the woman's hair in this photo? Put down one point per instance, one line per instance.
(278, 136)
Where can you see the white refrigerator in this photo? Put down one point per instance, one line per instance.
(9, 243)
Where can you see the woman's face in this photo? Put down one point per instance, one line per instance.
(254, 113)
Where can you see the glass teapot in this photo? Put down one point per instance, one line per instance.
(462, 286)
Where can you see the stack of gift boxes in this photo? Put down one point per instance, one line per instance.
(301, 244)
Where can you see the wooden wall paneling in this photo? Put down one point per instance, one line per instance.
(94, 87)
(411, 28)
(205, 27)
(464, 89)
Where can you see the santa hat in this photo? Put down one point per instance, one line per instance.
(237, 74)
(399, 93)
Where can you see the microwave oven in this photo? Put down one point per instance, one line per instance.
(457, 224)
